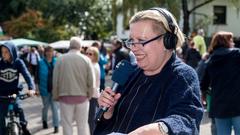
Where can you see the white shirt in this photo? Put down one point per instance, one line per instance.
(34, 57)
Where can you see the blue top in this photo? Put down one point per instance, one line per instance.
(102, 61)
(43, 75)
(172, 96)
(222, 75)
(9, 72)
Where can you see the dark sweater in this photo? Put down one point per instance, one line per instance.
(172, 96)
(192, 57)
(222, 75)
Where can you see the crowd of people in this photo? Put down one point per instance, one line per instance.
(174, 78)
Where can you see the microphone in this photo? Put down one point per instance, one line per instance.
(120, 76)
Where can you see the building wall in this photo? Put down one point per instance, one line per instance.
(121, 32)
(232, 17)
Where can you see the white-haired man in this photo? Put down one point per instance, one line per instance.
(73, 86)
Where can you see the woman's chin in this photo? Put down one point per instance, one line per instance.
(141, 65)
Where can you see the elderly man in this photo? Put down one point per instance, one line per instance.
(73, 85)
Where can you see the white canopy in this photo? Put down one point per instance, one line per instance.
(64, 44)
(22, 42)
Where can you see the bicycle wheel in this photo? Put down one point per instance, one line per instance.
(13, 129)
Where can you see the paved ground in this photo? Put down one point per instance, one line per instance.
(32, 107)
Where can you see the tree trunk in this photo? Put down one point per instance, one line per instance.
(185, 17)
(186, 13)
(114, 15)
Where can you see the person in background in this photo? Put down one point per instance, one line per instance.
(131, 56)
(10, 68)
(73, 87)
(102, 62)
(23, 54)
(183, 50)
(119, 53)
(221, 75)
(206, 102)
(162, 96)
(40, 50)
(192, 55)
(93, 54)
(33, 57)
(199, 42)
(44, 80)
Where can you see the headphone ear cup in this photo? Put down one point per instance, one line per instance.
(170, 40)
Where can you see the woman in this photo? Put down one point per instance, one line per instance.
(162, 96)
(44, 79)
(93, 54)
(222, 76)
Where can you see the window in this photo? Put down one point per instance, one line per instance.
(219, 15)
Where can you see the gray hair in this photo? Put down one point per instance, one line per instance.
(201, 32)
(75, 43)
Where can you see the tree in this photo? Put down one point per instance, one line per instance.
(31, 25)
(173, 5)
(24, 24)
(187, 12)
(11, 8)
(129, 7)
(91, 17)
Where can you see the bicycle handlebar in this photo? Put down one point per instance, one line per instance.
(14, 96)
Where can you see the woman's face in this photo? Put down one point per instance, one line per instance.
(90, 55)
(5, 54)
(49, 54)
(152, 56)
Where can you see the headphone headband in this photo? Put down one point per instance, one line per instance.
(170, 39)
(168, 18)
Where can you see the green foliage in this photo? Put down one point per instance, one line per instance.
(92, 16)
(11, 8)
(48, 34)
(62, 18)
(20, 26)
(32, 25)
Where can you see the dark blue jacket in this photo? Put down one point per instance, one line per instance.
(9, 72)
(172, 96)
(222, 75)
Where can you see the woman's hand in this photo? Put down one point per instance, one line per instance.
(108, 99)
(150, 129)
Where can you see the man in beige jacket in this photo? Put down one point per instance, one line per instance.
(73, 86)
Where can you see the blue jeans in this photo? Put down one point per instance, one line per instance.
(48, 101)
(224, 126)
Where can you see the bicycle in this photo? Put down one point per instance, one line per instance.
(13, 126)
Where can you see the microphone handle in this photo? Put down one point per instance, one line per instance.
(102, 110)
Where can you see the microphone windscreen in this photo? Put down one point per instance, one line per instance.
(122, 72)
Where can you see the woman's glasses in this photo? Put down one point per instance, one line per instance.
(130, 42)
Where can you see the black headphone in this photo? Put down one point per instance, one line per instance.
(170, 38)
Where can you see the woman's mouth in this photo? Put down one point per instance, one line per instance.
(140, 57)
